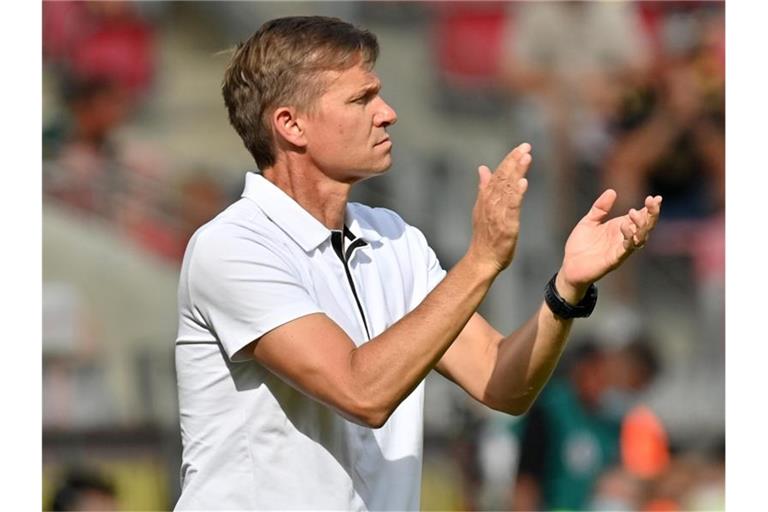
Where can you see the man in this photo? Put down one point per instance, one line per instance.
(307, 324)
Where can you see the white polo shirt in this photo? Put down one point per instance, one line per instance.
(250, 441)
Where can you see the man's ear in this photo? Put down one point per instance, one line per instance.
(288, 125)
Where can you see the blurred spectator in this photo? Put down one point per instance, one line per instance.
(566, 442)
(573, 437)
(102, 54)
(84, 489)
(84, 171)
(86, 165)
(574, 60)
(644, 444)
(670, 140)
(668, 491)
(108, 40)
(670, 137)
(692, 481)
(616, 490)
(632, 367)
(574, 52)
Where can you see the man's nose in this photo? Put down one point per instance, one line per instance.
(385, 115)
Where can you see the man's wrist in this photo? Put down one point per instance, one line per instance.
(482, 267)
(565, 309)
(571, 293)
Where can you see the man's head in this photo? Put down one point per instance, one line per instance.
(287, 64)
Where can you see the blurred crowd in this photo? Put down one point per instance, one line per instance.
(102, 58)
(627, 95)
(592, 442)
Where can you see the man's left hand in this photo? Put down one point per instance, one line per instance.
(597, 246)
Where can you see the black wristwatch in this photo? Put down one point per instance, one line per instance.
(563, 309)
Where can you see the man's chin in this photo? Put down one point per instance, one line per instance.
(376, 171)
(383, 168)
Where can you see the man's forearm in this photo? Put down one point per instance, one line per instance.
(392, 364)
(525, 361)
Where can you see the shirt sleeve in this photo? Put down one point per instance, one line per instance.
(243, 287)
(435, 271)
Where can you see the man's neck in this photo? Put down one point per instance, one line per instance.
(324, 198)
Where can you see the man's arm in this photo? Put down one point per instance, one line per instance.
(507, 373)
(366, 383)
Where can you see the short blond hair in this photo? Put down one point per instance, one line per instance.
(280, 65)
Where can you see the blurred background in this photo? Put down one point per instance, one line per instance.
(138, 153)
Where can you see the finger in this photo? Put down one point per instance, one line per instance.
(653, 204)
(652, 210)
(642, 222)
(640, 218)
(484, 175)
(524, 164)
(602, 206)
(510, 162)
(628, 230)
(522, 186)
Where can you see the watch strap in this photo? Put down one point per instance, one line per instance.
(562, 308)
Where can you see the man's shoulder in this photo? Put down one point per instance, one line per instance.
(242, 223)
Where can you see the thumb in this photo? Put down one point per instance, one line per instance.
(602, 206)
(484, 173)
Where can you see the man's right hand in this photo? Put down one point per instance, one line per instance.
(496, 215)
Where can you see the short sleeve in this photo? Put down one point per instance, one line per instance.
(435, 271)
(244, 286)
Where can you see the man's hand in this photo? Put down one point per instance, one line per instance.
(596, 246)
(496, 215)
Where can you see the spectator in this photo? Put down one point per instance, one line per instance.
(566, 441)
(88, 167)
(632, 368)
(616, 490)
(84, 489)
(670, 139)
(81, 159)
(573, 60)
(109, 40)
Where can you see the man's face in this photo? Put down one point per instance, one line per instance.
(346, 131)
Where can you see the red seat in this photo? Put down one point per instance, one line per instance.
(468, 42)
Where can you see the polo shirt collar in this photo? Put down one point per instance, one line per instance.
(289, 216)
(292, 218)
(360, 227)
